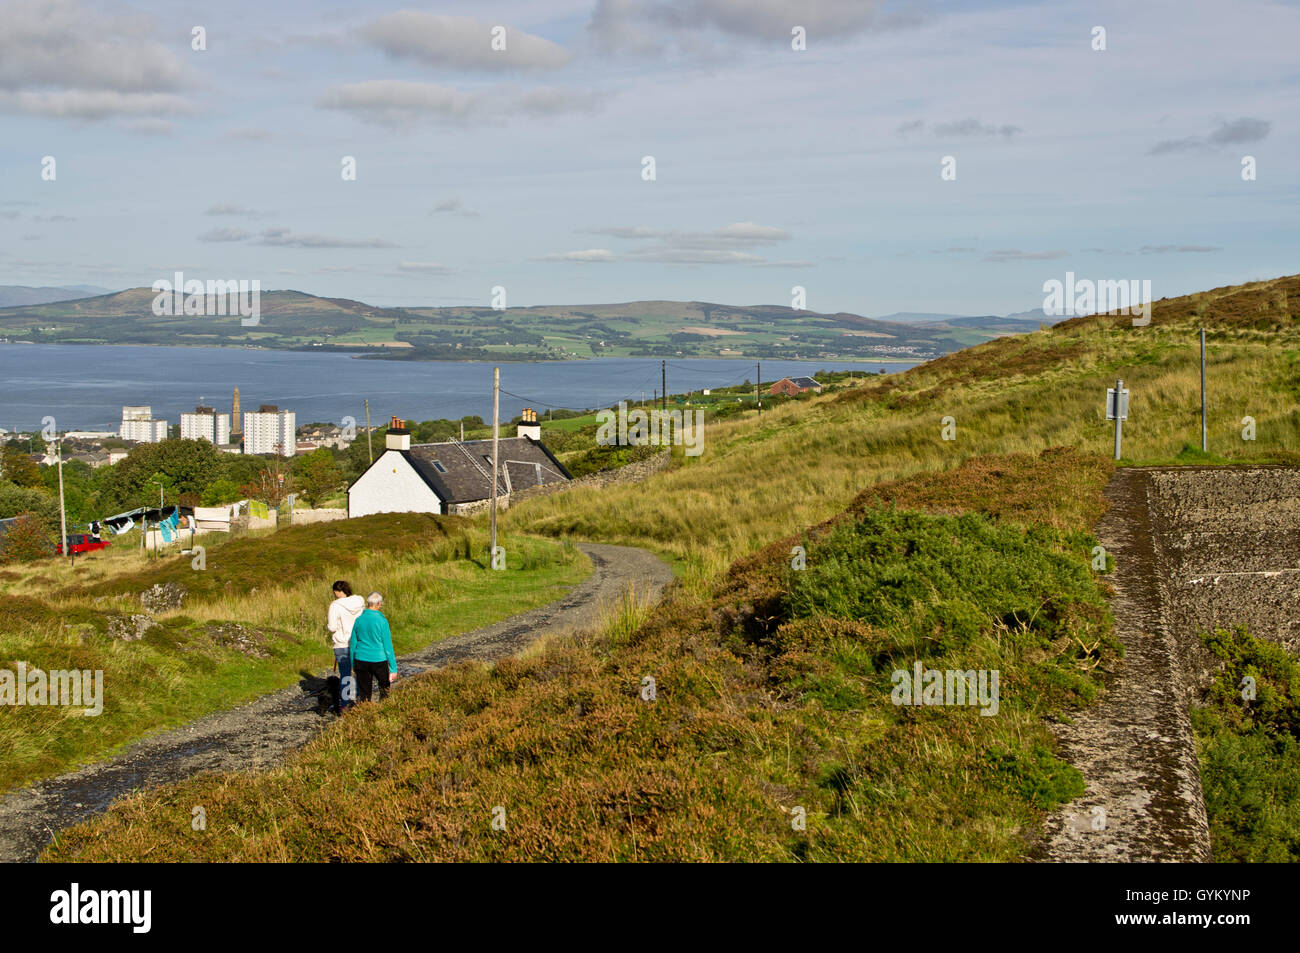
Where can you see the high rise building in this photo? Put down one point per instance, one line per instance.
(138, 424)
(270, 430)
(206, 424)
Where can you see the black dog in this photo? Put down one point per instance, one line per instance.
(327, 691)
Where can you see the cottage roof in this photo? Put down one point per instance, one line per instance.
(462, 472)
(806, 382)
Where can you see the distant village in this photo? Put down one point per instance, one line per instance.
(257, 486)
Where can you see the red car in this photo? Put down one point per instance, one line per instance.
(82, 543)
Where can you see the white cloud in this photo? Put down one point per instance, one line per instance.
(1236, 132)
(963, 128)
(460, 43)
(645, 27)
(587, 255)
(393, 102)
(285, 238)
(728, 245)
(225, 235)
(66, 60)
(1016, 254)
(91, 104)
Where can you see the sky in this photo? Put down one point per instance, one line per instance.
(213, 139)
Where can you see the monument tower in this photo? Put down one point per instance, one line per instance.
(236, 419)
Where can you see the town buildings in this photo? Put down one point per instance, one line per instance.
(270, 430)
(139, 425)
(206, 424)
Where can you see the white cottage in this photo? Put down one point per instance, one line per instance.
(451, 477)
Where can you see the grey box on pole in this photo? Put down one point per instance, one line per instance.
(1110, 404)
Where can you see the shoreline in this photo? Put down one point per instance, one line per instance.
(370, 355)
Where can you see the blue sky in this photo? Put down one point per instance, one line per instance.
(522, 167)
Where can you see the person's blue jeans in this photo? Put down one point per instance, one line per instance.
(347, 689)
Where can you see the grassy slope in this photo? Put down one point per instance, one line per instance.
(758, 481)
(770, 701)
(762, 709)
(248, 623)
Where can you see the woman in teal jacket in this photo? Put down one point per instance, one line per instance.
(371, 650)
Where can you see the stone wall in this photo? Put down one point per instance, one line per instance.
(324, 515)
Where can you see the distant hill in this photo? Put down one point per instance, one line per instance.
(11, 295)
(1014, 323)
(296, 319)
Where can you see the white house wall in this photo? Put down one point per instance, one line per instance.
(391, 485)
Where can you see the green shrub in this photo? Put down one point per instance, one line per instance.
(1250, 750)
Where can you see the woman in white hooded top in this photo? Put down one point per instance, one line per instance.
(344, 611)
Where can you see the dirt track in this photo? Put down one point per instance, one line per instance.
(258, 734)
(1195, 548)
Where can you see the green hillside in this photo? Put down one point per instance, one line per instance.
(292, 319)
(773, 733)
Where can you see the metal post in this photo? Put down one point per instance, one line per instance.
(663, 394)
(1119, 423)
(1204, 431)
(496, 435)
(758, 388)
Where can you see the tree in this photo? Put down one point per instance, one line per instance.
(320, 476)
(188, 466)
(20, 468)
(272, 485)
(220, 491)
(15, 500)
(27, 539)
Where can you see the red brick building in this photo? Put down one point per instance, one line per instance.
(790, 386)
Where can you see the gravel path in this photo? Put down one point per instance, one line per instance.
(1134, 747)
(257, 735)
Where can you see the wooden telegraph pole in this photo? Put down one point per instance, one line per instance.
(369, 446)
(496, 436)
(63, 514)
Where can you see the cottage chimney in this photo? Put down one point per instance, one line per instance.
(528, 425)
(398, 437)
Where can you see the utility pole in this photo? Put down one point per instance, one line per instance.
(369, 446)
(496, 436)
(663, 370)
(63, 515)
(1204, 435)
(758, 389)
